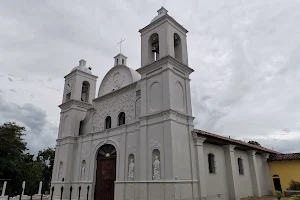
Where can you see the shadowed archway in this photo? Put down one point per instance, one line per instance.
(105, 172)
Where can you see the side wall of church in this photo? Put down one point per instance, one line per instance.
(264, 175)
(244, 183)
(216, 182)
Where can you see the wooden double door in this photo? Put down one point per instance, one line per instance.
(105, 178)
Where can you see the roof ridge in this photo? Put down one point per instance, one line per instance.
(234, 140)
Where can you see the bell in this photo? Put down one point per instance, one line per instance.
(154, 49)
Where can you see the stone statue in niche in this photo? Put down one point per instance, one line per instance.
(82, 171)
(156, 169)
(131, 170)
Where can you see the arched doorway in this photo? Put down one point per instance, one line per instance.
(106, 173)
(276, 182)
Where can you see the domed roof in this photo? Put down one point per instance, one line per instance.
(82, 67)
(116, 78)
(161, 12)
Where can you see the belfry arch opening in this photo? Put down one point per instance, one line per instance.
(177, 47)
(85, 90)
(153, 46)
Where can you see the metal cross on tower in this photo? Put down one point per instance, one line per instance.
(120, 43)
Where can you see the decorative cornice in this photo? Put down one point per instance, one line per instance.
(161, 20)
(66, 140)
(198, 139)
(72, 102)
(252, 152)
(82, 73)
(229, 147)
(165, 60)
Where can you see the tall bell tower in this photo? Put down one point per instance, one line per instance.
(163, 37)
(166, 112)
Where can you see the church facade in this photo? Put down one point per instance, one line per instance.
(136, 138)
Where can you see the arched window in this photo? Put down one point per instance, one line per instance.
(117, 62)
(121, 119)
(241, 166)
(107, 122)
(153, 45)
(85, 91)
(177, 47)
(122, 61)
(211, 163)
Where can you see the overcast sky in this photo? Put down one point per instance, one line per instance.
(246, 57)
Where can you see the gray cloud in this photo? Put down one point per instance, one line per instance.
(34, 119)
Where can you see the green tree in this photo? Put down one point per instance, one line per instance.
(31, 171)
(18, 166)
(47, 158)
(254, 143)
(12, 147)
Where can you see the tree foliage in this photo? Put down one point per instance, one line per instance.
(17, 166)
(254, 143)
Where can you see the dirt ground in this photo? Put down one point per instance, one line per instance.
(264, 198)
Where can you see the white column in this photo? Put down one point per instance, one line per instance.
(254, 173)
(267, 177)
(4, 188)
(231, 171)
(23, 187)
(40, 188)
(201, 168)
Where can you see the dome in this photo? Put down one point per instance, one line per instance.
(161, 12)
(118, 77)
(82, 67)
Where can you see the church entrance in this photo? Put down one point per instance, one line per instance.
(106, 173)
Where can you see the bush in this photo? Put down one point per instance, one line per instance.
(278, 194)
(294, 185)
(295, 197)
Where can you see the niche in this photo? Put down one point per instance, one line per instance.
(131, 167)
(156, 172)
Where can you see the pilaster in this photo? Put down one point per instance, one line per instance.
(266, 169)
(231, 171)
(200, 166)
(254, 173)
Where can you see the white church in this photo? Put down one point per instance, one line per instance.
(135, 139)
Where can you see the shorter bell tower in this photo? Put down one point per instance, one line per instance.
(79, 92)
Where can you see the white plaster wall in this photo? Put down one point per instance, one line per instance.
(181, 151)
(154, 94)
(216, 183)
(178, 94)
(262, 175)
(244, 184)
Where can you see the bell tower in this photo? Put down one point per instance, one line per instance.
(163, 37)
(166, 112)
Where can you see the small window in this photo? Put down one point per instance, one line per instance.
(68, 97)
(241, 166)
(117, 61)
(121, 119)
(108, 122)
(81, 128)
(211, 163)
(122, 61)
